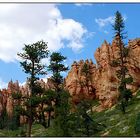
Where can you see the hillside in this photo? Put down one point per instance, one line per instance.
(117, 123)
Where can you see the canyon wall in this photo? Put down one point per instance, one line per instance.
(103, 74)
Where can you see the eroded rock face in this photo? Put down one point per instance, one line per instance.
(77, 84)
(103, 75)
(6, 101)
(9, 106)
(105, 80)
(134, 62)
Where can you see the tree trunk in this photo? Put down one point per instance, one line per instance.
(30, 121)
(123, 107)
(29, 127)
(49, 118)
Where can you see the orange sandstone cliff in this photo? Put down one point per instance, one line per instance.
(103, 75)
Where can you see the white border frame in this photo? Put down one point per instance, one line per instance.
(69, 1)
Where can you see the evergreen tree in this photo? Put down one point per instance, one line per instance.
(61, 122)
(62, 97)
(120, 62)
(17, 98)
(3, 119)
(56, 67)
(32, 56)
(48, 97)
(86, 125)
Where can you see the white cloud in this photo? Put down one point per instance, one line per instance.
(3, 84)
(103, 22)
(27, 23)
(124, 17)
(83, 4)
(45, 79)
(106, 32)
(22, 84)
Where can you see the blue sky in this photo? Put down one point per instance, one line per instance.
(76, 30)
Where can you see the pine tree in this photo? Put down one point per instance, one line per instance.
(48, 97)
(56, 67)
(61, 121)
(17, 98)
(62, 97)
(86, 125)
(121, 62)
(32, 56)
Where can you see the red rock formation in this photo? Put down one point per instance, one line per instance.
(103, 75)
(75, 81)
(6, 97)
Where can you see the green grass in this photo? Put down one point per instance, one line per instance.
(10, 133)
(117, 123)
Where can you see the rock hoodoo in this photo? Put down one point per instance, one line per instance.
(103, 75)
(75, 81)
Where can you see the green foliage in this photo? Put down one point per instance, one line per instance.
(50, 94)
(85, 69)
(61, 122)
(117, 124)
(61, 97)
(56, 67)
(3, 119)
(120, 62)
(137, 125)
(9, 123)
(38, 89)
(115, 63)
(48, 109)
(119, 25)
(16, 96)
(83, 106)
(56, 57)
(33, 101)
(128, 80)
(127, 94)
(33, 54)
(32, 64)
(125, 52)
(19, 109)
(57, 78)
(12, 123)
(88, 127)
(121, 71)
